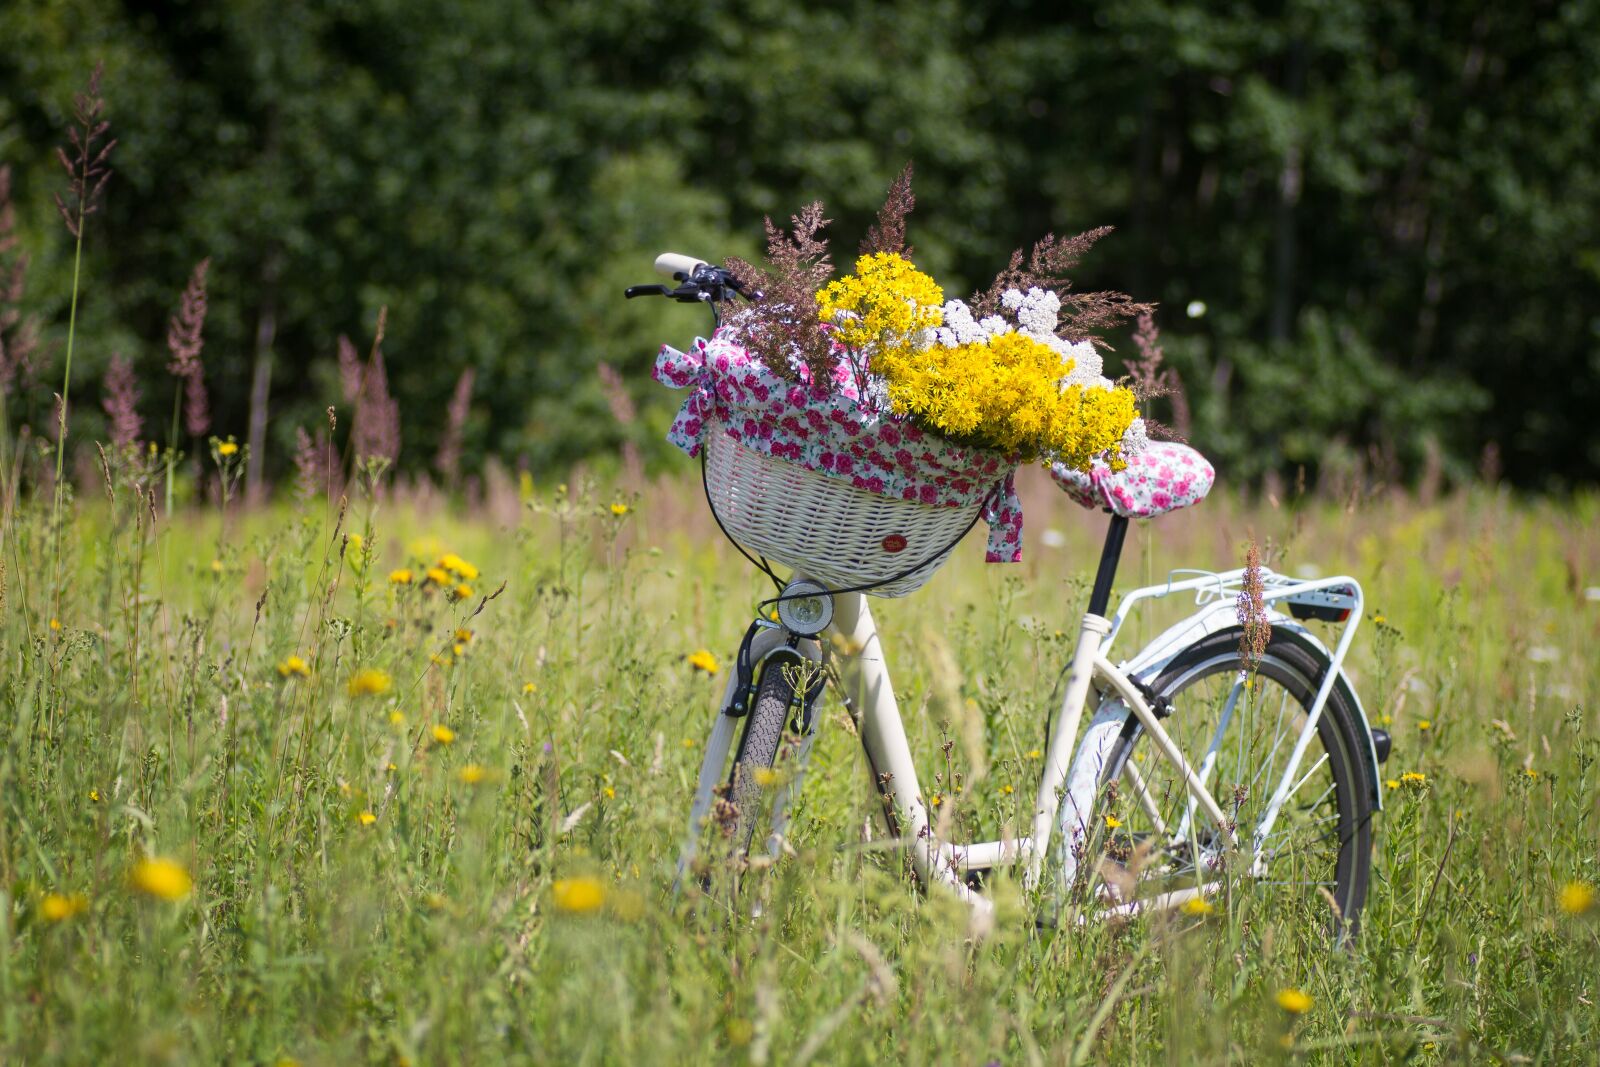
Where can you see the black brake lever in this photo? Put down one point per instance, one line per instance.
(646, 290)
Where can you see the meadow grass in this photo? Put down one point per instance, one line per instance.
(431, 824)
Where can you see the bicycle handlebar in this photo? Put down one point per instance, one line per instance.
(677, 266)
(698, 282)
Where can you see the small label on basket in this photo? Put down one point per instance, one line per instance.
(894, 543)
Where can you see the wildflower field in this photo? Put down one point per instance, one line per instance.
(403, 781)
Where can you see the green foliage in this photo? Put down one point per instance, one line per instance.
(1391, 212)
(164, 716)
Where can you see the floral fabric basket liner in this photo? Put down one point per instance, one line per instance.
(827, 428)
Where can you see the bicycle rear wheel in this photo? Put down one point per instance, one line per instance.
(1319, 848)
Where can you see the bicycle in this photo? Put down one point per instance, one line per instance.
(1128, 822)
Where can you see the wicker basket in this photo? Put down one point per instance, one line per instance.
(823, 527)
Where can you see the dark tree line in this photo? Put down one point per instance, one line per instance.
(1389, 212)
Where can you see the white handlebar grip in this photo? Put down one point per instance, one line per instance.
(674, 263)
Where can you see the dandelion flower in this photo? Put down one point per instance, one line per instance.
(1197, 906)
(1413, 778)
(227, 448)
(397, 718)
(578, 896)
(703, 660)
(161, 878)
(444, 735)
(366, 818)
(1293, 1001)
(1530, 772)
(458, 567)
(402, 576)
(1034, 753)
(437, 576)
(611, 794)
(59, 907)
(463, 591)
(1006, 789)
(688, 742)
(936, 799)
(1576, 898)
(1425, 725)
(294, 665)
(529, 687)
(619, 509)
(94, 796)
(464, 635)
(369, 681)
(473, 774)
(1112, 822)
(1392, 783)
(55, 624)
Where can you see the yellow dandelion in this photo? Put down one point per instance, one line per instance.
(463, 591)
(1530, 772)
(444, 735)
(619, 509)
(459, 648)
(1112, 822)
(1034, 753)
(437, 576)
(578, 896)
(458, 567)
(294, 665)
(1197, 906)
(55, 624)
(1576, 898)
(1413, 778)
(464, 635)
(227, 448)
(610, 793)
(529, 687)
(94, 796)
(397, 718)
(703, 660)
(688, 742)
(936, 799)
(401, 576)
(59, 907)
(1293, 1001)
(164, 879)
(1425, 725)
(366, 818)
(369, 681)
(1006, 790)
(472, 774)
(1392, 783)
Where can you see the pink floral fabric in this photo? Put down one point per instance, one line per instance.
(827, 428)
(1164, 477)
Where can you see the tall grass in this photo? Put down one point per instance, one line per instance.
(369, 887)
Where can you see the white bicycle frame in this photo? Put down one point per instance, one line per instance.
(1070, 783)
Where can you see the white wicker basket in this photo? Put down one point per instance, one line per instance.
(824, 527)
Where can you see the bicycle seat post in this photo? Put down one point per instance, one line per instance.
(1110, 555)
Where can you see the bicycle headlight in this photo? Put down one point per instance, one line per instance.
(805, 607)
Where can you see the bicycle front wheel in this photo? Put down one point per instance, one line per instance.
(1239, 731)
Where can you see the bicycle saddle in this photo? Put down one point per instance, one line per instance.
(1164, 477)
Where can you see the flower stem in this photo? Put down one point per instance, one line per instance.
(66, 385)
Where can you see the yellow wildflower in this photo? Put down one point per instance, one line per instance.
(59, 907)
(529, 687)
(765, 776)
(227, 448)
(1576, 898)
(402, 576)
(458, 567)
(688, 742)
(611, 794)
(366, 818)
(463, 591)
(1425, 724)
(1006, 790)
(703, 660)
(578, 896)
(1413, 778)
(1530, 772)
(464, 635)
(369, 681)
(1197, 906)
(936, 800)
(94, 796)
(216, 566)
(444, 735)
(619, 509)
(1112, 822)
(1034, 753)
(161, 878)
(882, 305)
(437, 576)
(473, 774)
(397, 718)
(55, 624)
(357, 542)
(1293, 1001)
(1392, 783)
(294, 665)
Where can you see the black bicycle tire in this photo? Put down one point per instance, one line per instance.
(758, 748)
(1294, 663)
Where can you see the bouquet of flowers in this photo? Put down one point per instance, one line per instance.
(1007, 371)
